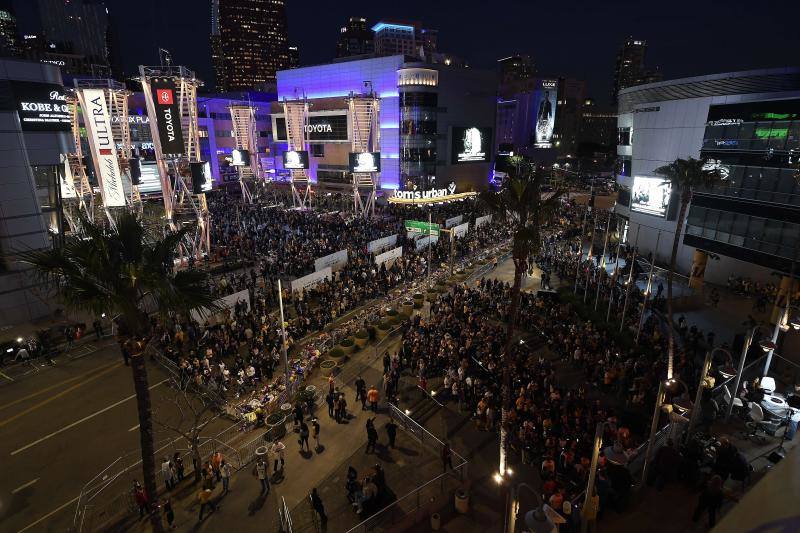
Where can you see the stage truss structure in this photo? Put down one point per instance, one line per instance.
(243, 118)
(83, 202)
(296, 113)
(365, 135)
(181, 205)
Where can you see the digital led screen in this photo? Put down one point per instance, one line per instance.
(240, 158)
(295, 159)
(365, 161)
(547, 97)
(471, 144)
(650, 195)
(323, 127)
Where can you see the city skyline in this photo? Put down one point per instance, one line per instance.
(578, 40)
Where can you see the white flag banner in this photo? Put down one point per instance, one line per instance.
(426, 241)
(336, 261)
(480, 221)
(379, 245)
(224, 303)
(391, 255)
(67, 181)
(461, 229)
(312, 279)
(455, 221)
(104, 151)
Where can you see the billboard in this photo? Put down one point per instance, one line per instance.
(240, 158)
(40, 106)
(547, 96)
(321, 127)
(365, 161)
(168, 115)
(295, 159)
(650, 195)
(104, 149)
(472, 144)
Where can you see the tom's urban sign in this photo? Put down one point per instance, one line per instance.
(430, 194)
(168, 115)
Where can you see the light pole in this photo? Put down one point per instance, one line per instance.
(653, 429)
(284, 355)
(615, 276)
(629, 283)
(536, 520)
(602, 263)
(701, 385)
(740, 369)
(589, 257)
(598, 444)
(648, 288)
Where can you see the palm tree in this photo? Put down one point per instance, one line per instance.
(520, 204)
(684, 176)
(127, 273)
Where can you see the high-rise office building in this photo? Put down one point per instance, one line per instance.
(294, 57)
(9, 39)
(78, 29)
(355, 38)
(405, 38)
(249, 43)
(630, 68)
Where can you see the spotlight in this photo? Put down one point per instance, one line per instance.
(767, 345)
(498, 478)
(19, 339)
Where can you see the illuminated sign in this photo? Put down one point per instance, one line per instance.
(650, 195)
(725, 122)
(365, 161)
(429, 196)
(40, 106)
(168, 115)
(755, 111)
(545, 113)
(772, 133)
(104, 150)
(324, 126)
(716, 164)
(471, 145)
(240, 158)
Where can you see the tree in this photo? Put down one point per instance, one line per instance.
(684, 176)
(127, 273)
(519, 203)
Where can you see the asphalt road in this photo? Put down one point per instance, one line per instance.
(62, 426)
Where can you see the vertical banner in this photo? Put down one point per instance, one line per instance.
(104, 150)
(461, 230)
(547, 98)
(66, 180)
(168, 115)
(455, 221)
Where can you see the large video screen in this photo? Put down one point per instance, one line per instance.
(471, 144)
(240, 158)
(295, 159)
(547, 92)
(650, 195)
(365, 161)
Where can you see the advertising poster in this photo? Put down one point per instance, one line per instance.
(650, 195)
(104, 150)
(40, 106)
(322, 126)
(480, 221)
(295, 159)
(168, 115)
(66, 180)
(461, 230)
(378, 245)
(471, 144)
(545, 113)
(312, 279)
(455, 221)
(335, 261)
(365, 161)
(391, 255)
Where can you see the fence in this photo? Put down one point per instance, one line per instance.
(284, 517)
(426, 498)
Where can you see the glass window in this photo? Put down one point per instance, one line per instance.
(624, 136)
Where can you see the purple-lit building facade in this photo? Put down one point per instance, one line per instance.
(425, 110)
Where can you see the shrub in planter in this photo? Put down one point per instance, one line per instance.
(348, 345)
(407, 308)
(419, 296)
(383, 329)
(393, 316)
(328, 367)
(336, 353)
(371, 330)
(418, 304)
(361, 338)
(431, 295)
(276, 427)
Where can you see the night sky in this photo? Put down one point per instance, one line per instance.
(578, 39)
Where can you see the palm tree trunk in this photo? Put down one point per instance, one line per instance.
(519, 270)
(673, 259)
(146, 434)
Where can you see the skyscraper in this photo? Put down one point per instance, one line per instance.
(78, 28)
(516, 74)
(249, 43)
(630, 69)
(406, 38)
(9, 40)
(355, 38)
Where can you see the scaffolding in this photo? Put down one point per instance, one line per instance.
(243, 118)
(181, 205)
(365, 137)
(83, 203)
(296, 113)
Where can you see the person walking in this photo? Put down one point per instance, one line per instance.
(169, 514)
(373, 396)
(225, 471)
(315, 432)
(179, 469)
(447, 456)
(361, 391)
(329, 399)
(316, 503)
(204, 497)
(166, 472)
(711, 500)
(298, 414)
(372, 436)
(278, 449)
(142, 500)
(260, 472)
(304, 436)
(391, 432)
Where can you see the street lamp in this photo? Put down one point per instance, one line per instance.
(536, 520)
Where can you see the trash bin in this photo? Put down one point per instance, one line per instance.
(436, 521)
(462, 501)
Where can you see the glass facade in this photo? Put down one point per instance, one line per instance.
(753, 212)
(418, 126)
